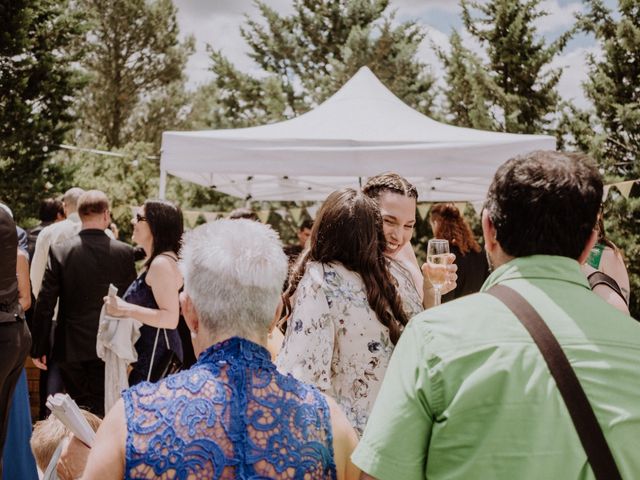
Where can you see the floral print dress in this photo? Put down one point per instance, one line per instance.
(335, 341)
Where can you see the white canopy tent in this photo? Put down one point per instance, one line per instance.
(362, 130)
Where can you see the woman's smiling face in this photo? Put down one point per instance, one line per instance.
(398, 219)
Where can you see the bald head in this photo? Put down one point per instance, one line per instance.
(70, 200)
(93, 208)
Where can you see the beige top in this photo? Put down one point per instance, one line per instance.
(335, 341)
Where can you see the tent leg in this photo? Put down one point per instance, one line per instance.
(163, 184)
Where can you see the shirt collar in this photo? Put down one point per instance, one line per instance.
(239, 349)
(543, 267)
(74, 217)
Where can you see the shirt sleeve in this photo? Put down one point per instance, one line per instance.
(396, 439)
(39, 261)
(307, 351)
(45, 307)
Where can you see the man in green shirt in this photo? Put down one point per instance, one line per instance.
(468, 394)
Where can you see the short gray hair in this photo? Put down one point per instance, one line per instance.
(234, 271)
(71, 198)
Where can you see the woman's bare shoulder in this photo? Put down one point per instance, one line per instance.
(163, 267)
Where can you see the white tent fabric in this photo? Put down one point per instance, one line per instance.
(362, 130)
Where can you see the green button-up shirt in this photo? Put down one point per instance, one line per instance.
(468, 395)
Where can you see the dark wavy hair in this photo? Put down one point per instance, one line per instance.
(545, 203)
(166, 225)
(452, 226)
(348, 229)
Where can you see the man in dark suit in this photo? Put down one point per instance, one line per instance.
(78, 273)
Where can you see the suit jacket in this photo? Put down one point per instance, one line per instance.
(79, 272)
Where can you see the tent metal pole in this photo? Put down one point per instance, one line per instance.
(163, 184)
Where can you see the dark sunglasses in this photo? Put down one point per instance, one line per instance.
(140, 218)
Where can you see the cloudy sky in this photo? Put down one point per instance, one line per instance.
(217, 22)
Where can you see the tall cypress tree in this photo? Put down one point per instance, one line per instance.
(519, 90)
(38, 51)
(467, 99)
(612, 85)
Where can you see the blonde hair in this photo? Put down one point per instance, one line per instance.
(47, 435)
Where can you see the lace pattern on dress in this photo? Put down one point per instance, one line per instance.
(232, 415)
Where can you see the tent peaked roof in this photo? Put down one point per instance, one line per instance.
(362, 130)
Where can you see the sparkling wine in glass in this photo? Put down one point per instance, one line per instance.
(437, 257)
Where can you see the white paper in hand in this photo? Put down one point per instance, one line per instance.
(67, 411)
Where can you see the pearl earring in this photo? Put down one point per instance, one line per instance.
(193, 334)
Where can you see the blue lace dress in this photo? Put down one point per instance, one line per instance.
(232, 415)
(139, 293)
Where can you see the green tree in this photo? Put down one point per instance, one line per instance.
(614, 134)
(513, 90)
(467, 99)
(135, 63)
(308, 54)
(612, 85)
(38, 50)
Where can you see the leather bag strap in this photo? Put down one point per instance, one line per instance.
(584, 419)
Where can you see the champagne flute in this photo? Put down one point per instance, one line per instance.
(437, 259)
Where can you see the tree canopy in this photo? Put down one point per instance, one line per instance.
(38, 81)
(307, 55)
(512, 89)
(135, 64)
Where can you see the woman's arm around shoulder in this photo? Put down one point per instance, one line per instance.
(345, 440)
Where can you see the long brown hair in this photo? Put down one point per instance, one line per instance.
(452, 226)
(348, 229)
(602, 234)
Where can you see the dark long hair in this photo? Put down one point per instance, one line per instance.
(166, 225)
(602, 234)
(453, 227)
(348, 230)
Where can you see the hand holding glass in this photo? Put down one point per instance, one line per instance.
(437, 258)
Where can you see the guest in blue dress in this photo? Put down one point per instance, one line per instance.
(232, 415)
(152, 298)
(17, 457)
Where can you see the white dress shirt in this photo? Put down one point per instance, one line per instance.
(50, 235)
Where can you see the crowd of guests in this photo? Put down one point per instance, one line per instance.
(328, 359)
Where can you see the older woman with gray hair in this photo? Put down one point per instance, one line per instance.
(232, 415)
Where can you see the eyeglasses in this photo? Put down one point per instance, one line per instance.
(140, 218)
